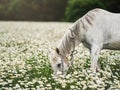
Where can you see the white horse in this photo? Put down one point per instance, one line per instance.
(97, 30)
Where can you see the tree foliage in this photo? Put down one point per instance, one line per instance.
(77, 8)
(52, 10)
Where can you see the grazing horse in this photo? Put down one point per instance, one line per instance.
(97, 30)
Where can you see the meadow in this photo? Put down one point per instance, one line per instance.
(24, 61)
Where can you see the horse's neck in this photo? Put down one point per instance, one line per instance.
(66, 44)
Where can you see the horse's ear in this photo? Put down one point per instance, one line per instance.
(57, 51)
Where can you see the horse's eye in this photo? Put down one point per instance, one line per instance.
(59, 65)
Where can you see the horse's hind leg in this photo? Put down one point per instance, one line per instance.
(95, 50)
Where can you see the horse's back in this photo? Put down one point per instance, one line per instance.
(110, 26)
(106, 26)
(99, 18)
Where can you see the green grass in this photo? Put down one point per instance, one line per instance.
(25, 63)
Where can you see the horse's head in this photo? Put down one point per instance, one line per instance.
(59, 62)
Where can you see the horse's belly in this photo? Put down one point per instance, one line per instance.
(112, 46)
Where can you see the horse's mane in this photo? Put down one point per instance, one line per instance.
(73, 34)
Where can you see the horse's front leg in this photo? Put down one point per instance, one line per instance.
(95, 50)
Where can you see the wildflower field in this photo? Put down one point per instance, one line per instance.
(24, 62)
